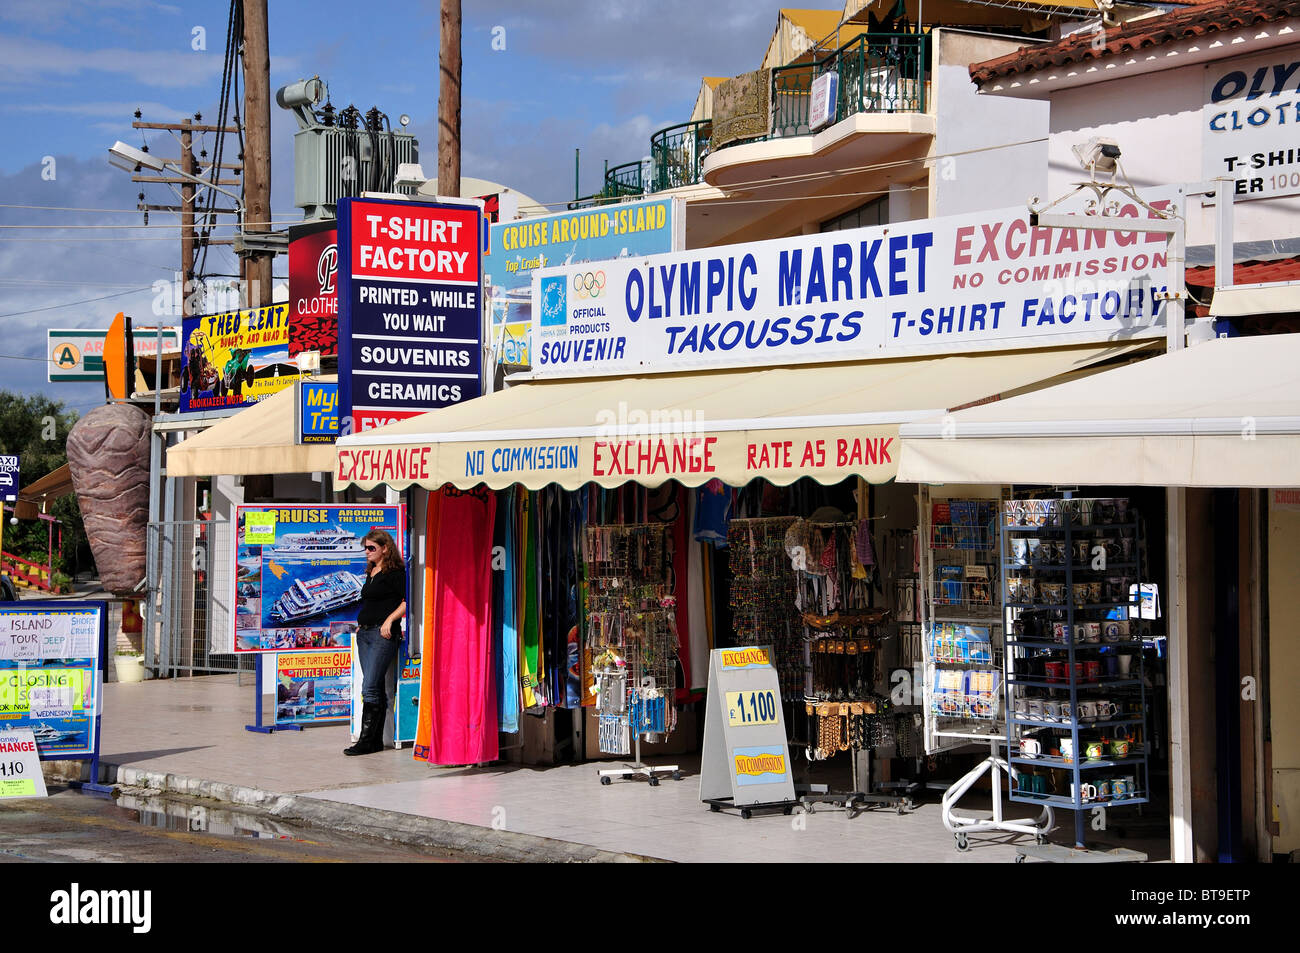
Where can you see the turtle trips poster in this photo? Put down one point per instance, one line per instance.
(299, 571)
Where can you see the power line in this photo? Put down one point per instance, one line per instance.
(69, 304)
(122, 211)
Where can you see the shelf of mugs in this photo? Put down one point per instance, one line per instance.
(1096, 683)
(1044, 722)
(1088, 764)
(1079, 513)
(1067, 801)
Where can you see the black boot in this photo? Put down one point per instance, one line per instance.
(372, 730)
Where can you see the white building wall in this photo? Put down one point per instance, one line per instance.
(998, 178)
(1157, 120)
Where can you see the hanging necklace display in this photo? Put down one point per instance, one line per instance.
(632, 635)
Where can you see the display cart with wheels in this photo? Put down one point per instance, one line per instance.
(964, 658)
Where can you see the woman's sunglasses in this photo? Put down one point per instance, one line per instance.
(372, 549)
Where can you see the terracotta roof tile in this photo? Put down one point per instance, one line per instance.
(1243, 273)
(1215, 17)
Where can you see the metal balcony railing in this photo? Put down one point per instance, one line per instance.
(624, 180)
(678, 152)
(878, 74)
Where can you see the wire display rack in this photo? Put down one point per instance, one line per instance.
(632, 632)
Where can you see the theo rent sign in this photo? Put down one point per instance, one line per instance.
(981, 281)
(411, 314)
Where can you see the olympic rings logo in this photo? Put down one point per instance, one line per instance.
(589, 285)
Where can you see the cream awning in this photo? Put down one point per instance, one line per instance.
(827, 422)
(1243, 301)
(1225, 413)
(259, 439)
(35, 498)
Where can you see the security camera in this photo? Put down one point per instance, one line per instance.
(1097, 154)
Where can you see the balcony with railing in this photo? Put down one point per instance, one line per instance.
(881, 74)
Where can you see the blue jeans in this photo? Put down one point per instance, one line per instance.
(375, 653)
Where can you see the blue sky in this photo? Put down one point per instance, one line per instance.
(597, 76)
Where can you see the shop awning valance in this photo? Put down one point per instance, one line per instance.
(1225, 413)
(827, 422)
(259, 439)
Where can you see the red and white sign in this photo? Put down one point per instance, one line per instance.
(313, 289)
(415, 243)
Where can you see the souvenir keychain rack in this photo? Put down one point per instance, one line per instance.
(762, 589)
(631, 629)
(841, 636)
(963, 647)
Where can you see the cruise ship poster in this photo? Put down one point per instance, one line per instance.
(300, 569)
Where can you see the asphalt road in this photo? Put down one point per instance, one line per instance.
(144, 827)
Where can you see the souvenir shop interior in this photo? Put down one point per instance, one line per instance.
(916, 632)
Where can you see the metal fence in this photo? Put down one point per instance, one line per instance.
(194, 600)
(878, 74)
(679, 152)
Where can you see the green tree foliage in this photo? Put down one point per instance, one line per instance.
(35, 428)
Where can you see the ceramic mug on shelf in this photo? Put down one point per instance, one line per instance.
(1051, 711)
(1084, 791)
(1106, 709)
(1119, 747)
(1092, 669)
(1092, 631)
(1125, 664)
(1088, 712)
(1055, 671)
(1067, 747)
(1104, 789)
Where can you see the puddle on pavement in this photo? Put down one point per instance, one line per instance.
(165, 813)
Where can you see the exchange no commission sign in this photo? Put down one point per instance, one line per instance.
(987, 280)
(411, 314)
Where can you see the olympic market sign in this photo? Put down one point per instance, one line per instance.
(410, 308)
(986, 281)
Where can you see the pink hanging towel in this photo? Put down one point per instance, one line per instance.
(464, 708)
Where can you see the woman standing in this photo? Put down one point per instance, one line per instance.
(383, 604)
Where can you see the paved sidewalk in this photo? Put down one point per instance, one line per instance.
(187, 736)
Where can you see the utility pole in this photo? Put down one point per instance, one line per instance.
(449, 99)
(186, 129)
(187, 220)
(256, 265)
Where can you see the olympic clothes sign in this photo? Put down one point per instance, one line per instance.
(410, 316)
(1251, 108)
(982, 281)
(313, 288)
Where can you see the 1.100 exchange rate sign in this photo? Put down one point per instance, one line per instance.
(410, 308)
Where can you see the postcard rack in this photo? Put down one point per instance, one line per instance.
(963, 651)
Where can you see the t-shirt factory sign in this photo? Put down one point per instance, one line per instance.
(988, 280)
(410, 311)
